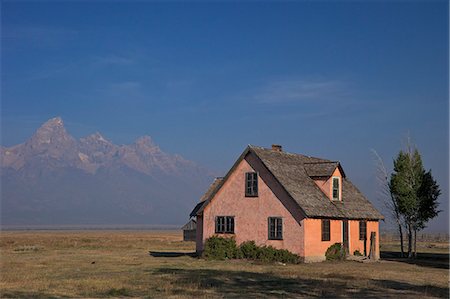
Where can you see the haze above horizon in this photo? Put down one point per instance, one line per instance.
(327, 79)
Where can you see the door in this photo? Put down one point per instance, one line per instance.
(345, 235)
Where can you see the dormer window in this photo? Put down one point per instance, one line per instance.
(251, 184)
(336, 188)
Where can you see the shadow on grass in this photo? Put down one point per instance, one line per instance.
(171, 254)
(113, 292)
(242, 284)
(31, 295)
(432, 260)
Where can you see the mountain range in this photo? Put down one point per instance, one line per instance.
(53, 178)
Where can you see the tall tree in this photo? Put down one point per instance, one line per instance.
(415, 193)
(428, 205)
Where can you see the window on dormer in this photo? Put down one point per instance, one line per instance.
(336, 189)
(251, 184)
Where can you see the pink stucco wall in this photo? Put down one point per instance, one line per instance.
(356, 243)
(315, 248)
(251, 213)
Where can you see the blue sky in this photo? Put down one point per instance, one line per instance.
(331, 78)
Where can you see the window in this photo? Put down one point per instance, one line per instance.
(251, 184)
(224, 225)
(275, 228)
(325, 230)
(335, 188)
(362, 230)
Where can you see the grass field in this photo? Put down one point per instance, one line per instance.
(54, 264)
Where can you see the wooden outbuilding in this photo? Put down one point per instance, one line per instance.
(189, 230)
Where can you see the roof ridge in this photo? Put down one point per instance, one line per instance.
(319, 162)
(286, 153)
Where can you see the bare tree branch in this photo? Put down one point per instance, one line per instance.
(386, 197)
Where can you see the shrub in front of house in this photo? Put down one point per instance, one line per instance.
(335, 252)
(249, 250)
(218, 248)
(285, 256)
(357, 253)
(266, 254)
(271, 254)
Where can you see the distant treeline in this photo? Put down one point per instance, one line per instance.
(421, 237)
(81, 227)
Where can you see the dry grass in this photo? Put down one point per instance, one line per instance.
(58, 264)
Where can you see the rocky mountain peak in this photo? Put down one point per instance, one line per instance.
(96, 137)
(52, 146)
(146, 142)
(52, 132)
(54, 122)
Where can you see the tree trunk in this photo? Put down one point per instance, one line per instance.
(415, 243)
(410, 241)
(400, 230)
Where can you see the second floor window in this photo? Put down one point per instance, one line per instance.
(336, 189)
(224, 225)
(251, 184)
(275, 228)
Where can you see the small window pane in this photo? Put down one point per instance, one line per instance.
(336, 188)
(325, 230)
(275, 228)
(251, 184)
(362, 230)
(225, 224)
(335, 183)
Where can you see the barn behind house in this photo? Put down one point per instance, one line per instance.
(189, 230)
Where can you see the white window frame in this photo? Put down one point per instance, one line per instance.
(339, 188)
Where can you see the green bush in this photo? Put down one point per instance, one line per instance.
(285, 256)
(271, 254)
(335, 252)
(266, 254)
(249, 250)
(218, 248)
(357, 253)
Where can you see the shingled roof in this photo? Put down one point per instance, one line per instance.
(322, 169)
(208, 194)
(191, 225)
(295, 172)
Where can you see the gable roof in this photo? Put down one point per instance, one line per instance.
(294, 173)
(208, 194)
(191, 225)
(323, 168)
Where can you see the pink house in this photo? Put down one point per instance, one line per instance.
(289, 201)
